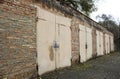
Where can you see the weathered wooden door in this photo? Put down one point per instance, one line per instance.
(112, 43)
(82, 38)
(46, 54)
(85, 37)
(99, 43)
(53, 41)
(89, 42)
(63, 55)
(107, 47)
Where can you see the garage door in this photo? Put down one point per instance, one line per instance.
(112, 43)
(85, 37)
(89, 42)
(64, 52)
(99, 43)
(82, 38)
(53, 41)
(107, 47)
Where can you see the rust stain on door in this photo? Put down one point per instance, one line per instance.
(51, 54)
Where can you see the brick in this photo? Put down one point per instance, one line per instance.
(17, 40)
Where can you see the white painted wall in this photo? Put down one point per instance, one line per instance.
(51, 27)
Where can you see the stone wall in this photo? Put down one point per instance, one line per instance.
(75, 41)
(94, 50)
(17, 40)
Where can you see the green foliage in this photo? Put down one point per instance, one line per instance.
(72, 3)
(86, 6)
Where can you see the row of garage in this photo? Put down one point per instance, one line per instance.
(54, 36)
(104, 43)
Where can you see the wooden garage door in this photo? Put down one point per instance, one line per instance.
(64, 51)
(82, 38)
(53, 41)
(107, 43)
(85, 37)
(89, 42)
(99, 43)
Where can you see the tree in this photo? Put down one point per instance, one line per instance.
(86, 6)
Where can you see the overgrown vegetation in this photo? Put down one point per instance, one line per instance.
(85, 6)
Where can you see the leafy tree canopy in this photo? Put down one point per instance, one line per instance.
(86, 6)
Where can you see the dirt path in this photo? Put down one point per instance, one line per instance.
(105, 67)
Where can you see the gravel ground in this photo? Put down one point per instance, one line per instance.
(105, 67)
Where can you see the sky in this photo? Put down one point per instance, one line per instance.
(108, 7)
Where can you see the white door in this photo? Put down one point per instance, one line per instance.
(89, 42)
(106, 43)
(45, 37)
(82, 38)
(64, 54)
(85, 37)
(98, 42)
(112, 44)
(51, 30)
(101, 43)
